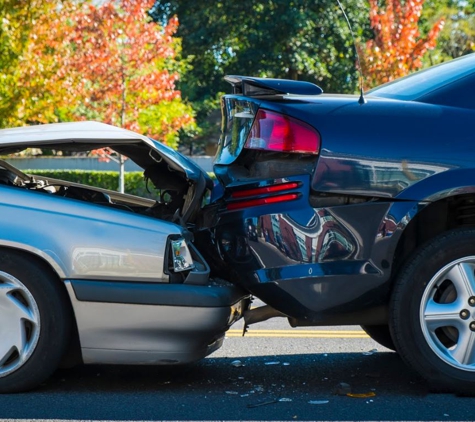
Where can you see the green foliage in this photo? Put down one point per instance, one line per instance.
(166, 117)
(296, 39)
(458, 35)
(134, 181)
(106, 60)
(16, 21)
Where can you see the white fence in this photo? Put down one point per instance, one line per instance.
(89, 163)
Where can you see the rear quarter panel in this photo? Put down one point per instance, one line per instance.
(82, 240)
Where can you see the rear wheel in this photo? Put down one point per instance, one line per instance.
(34, 322)
(432, 315)
(380, 334)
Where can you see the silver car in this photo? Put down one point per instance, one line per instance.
(94, 276)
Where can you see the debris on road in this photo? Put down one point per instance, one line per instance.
(272, 363)
(285, 399)
(362, 395)
(319, 401)
(342, 389)
(262, 403)
(237, 363)
(370, 352)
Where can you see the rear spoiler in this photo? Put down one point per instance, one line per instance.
(255, 87)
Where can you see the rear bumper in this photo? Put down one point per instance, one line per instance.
(144, 323)
(318, 265)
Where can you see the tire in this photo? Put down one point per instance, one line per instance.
(432, 312)
(35, 321)
(380, 334)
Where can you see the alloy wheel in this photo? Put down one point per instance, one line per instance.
(20, 324)
(447, 313)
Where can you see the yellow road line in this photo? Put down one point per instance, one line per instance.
(299, 333)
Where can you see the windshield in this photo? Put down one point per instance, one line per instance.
(420, 83)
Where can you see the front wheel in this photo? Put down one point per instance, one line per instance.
(432, 313)
(34, 322)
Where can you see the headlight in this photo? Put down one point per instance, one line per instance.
(181, 256)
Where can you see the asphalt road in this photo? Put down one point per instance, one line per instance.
(286, 374)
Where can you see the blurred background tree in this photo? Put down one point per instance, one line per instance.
(103, 61)
(397, 47)
(17, 21)
(458, 35)
(140, 64)
(294, 39)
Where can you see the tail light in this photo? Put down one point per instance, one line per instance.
(272, 131)
(263, 195)
(265, 190)
(180, 255)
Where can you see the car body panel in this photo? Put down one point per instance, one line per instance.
(81, 135)
(334, 252)
(86, 240)
(313, 263)
(348, 162)
(126, 333)
(116, 253)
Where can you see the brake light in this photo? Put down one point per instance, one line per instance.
(245, 198)
(272, 131)
(262, 201)
(264, 190)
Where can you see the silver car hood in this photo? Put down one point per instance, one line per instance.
(84, 136)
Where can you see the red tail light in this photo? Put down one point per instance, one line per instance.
(272, 131)
(264, 190)
(244, 198)
(262, 201)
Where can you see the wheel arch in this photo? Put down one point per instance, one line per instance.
(36, 253)
(435, 218)
(72, 355)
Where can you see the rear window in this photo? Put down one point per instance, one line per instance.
(421, 83)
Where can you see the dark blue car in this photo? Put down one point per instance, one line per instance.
(364, 210)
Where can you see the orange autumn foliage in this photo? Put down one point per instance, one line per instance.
(107, 62)
(123, 60)
(397, 48)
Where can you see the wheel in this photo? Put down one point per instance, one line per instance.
(35, 321)
(432, 312)
(380, 334)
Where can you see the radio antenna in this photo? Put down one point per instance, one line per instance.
(362, 99)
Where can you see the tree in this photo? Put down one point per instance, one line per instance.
(106, 61)
(18, 19)
(397, 47)
(296, 39)
(458, 35)
(128, 69)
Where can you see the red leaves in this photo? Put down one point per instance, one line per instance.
(397, 48)
(104, 61)
(121, 57)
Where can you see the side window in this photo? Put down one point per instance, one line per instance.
(457, 94)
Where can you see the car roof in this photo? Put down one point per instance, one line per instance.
(420, 84)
